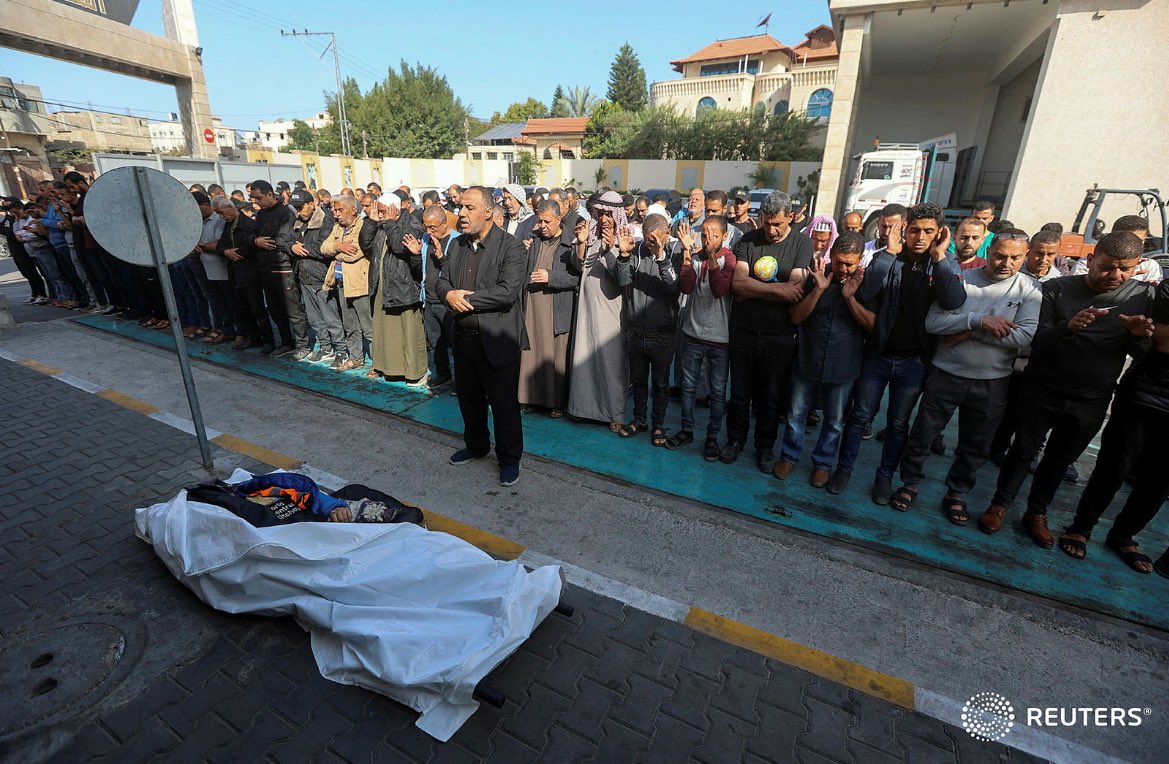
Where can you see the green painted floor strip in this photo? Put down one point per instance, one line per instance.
(1100, 583)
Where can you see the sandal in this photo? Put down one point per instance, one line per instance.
(373, 374)
(212, 336)
(903, 498)
(1074, 548)
(614, 427)
(200, 332)
(955, 509)
(710, 450)
(556, 414)
(658, 437)
(631, 429)
(679, 439)
(1130, 552)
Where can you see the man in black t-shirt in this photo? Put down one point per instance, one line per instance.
(772, 265)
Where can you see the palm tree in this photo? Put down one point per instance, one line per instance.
(579, 102)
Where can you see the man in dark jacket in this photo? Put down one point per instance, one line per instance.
(237, 244)
(274, 240)
(482, 284)
(902, 281)
(648, 276)
(1134, 443)
(433, 250)
(313, 225)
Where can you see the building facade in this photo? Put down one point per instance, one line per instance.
(273, 135)
(1045, 98)
(100, 131)
(24, 135)
(168, 138)
(755, 72)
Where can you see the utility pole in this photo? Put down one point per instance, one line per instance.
(364, 145)
(342, 116)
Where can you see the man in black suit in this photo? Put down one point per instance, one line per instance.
(482, 284)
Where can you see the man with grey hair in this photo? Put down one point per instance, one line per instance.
(771, 265)
(345, 285)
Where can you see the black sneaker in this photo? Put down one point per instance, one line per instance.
(267, 349)
(882, 490)
(765, 461)
(282, 351)
(299, 354)
(868, 433)
(938, 447)
(320, 354)
(730, 452)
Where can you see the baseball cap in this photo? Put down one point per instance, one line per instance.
(300, 197)
(797, 201)
(742, 194)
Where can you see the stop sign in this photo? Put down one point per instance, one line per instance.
(209, 135)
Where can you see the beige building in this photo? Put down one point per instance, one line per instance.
(168, 138)
(100, 131)
(555, 138)
(24, 132)
(273, 134)
(755, 72)
(1046, 97)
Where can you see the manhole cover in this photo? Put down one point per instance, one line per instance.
(57, 672)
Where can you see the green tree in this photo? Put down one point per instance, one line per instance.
(559, 104)
(578, 102)
(303, 138)
(412, 113)
(521, 112)
(527, 170)
(762, 176)
(627, 80)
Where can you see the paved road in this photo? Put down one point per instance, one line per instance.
(611, 683)
(948, 635)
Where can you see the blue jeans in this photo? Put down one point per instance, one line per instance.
(834, 397)
(905, 377)
(46, 259)
(718, 362)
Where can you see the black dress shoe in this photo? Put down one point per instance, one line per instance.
(730, 452)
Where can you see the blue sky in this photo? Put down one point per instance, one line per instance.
(491, 53)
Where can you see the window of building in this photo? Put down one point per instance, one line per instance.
(7, 97)
(706, 103)
(878, 171)
(781, 107)
(116, 120)
(493, 155)
(477, 155)
(728, 67)
(509, 156)
(820, 104)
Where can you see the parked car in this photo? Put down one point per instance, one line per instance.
(757, 197)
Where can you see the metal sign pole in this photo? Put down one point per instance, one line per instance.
(154, 235)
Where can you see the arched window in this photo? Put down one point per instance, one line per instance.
(820, 104)
(780, 108)
(706, 103)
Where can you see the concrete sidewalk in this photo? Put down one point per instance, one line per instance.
(108, 656)
(948, 636)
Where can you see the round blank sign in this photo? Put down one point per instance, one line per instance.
(116, 215)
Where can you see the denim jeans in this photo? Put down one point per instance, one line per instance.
(717, 364)
(46, 258)
(184, 296)
(438, 330)
(650, 353)
(806, 393)
(904, 377)
(69, 272)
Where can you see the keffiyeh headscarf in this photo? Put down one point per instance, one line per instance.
(517, 191)
(610, 201)
(823, 223)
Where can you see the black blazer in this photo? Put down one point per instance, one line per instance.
(498, 292)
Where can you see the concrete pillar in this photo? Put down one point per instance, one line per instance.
(842, 123)
(195, 109)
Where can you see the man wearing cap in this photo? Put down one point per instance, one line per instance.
(274, 240)
(800, 209)
(740, 216)
(322, 309)
(520, 219)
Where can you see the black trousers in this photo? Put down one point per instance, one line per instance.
(1136, 438)
(149, 291)
(1006, 429)
(980, 404)
(283, 299)
(481, 384)
(760, 372)
(1072, 424)
(437, 321)
(27, 267)
(650, 354)
(251, 316)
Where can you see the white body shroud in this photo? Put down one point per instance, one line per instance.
(416, 615)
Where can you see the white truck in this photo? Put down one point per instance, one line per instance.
(902, 173)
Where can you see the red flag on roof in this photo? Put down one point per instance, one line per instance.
(766, 20)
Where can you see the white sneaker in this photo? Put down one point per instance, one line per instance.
(424, 381)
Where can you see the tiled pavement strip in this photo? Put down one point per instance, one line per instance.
(610, 684)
